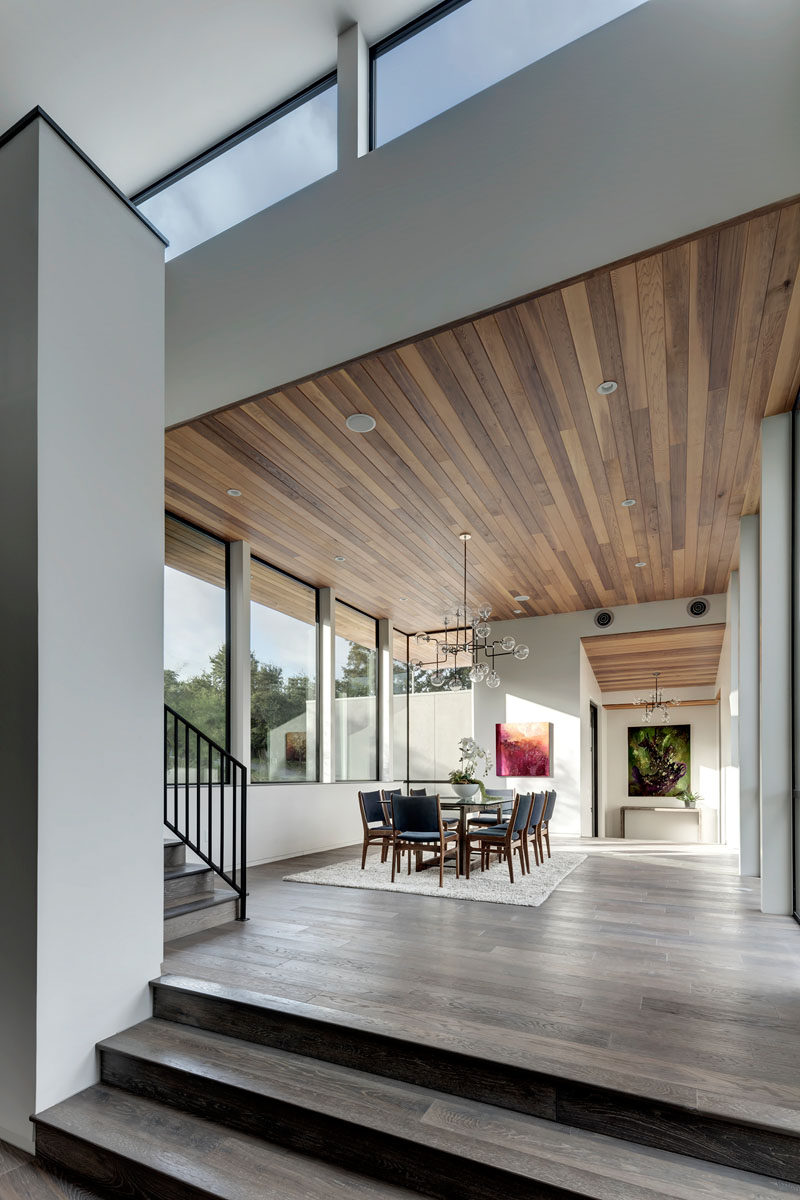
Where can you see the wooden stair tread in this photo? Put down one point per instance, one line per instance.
(487, 1138)
(213, 1159)
(186, 869)
(207, 900)
(777, 1117)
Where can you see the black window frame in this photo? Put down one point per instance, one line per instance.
(403, 34)
(295, 579)
(234, 139)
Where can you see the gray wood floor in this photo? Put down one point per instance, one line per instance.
(649, 968)
(23, 1179)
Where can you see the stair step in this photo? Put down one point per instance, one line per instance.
(420, 1138)
(138, 1147)
(187, 880)
(731, 1137)
(203, 912)
(174, 852)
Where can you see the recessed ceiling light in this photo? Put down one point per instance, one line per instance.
(521, 599)
(640, 564)
(234, 492)
(517, 610)
(628, 503)
(360, 422)
(338, 558)
(607, 387)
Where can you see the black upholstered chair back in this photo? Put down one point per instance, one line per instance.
(549, 805)
(418, 792)
(522, 815)
(415, 814)
(373, 809)
(537, 810)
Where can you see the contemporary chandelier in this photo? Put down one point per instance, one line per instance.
(467, 634)
(656, 704)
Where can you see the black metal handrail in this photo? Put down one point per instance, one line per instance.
(207, 807)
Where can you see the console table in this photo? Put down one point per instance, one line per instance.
(689, 818)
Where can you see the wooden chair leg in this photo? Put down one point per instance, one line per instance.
(394, 859)
(510, 857)
(441, 864)
(547, 839)
(364, 852)
(523, 849)
(467, 857)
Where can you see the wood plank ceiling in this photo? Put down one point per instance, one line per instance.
(687, 657)
(495, 426)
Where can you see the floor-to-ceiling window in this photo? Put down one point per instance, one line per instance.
(195, 624)
(283, 677)
(439, 715)
(356, 694)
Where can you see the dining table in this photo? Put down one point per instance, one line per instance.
(476, 803)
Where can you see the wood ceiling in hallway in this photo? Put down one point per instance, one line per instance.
(495, 426)
(684, 657)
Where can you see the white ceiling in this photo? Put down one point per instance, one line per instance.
(142, 85)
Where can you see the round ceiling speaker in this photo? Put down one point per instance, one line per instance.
(603, 619)
(360, 422)
(698, 607)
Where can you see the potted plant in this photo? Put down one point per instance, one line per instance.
(690, 799)
(463, 778)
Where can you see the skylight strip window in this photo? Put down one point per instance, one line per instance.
(271, 158)
(463, 46)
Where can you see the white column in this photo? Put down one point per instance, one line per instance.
(385, 698)
(326, 632)
(730, 713)
(749, 703)
(239, 649)
(776, 668)
(81, 740)
(352, 78)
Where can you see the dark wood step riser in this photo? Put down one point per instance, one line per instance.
(174, 856)
(392, 1158)
(108, 1172)
(648, 1122)
(189, 887)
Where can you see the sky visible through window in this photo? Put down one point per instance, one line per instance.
(473, 47)
(280, 159)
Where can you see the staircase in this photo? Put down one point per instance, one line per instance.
(191, 900)
(233, 1094)
(205, 808)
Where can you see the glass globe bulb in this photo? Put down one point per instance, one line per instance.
(484, 611)
(482, 631)
(454, 685)
(521, 652)
(420, 638)
(508, 643)
(437, 678)
(493, 679)
(475, 674)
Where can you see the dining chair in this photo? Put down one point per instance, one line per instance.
(505, 837)
(534, 828)
(418, 826)
(373, 820)
(544, 827)
(386, 801)
(505, 798)
(448, 822)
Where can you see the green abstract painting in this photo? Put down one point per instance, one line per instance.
(659, 760)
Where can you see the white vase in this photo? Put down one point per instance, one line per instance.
(464, 790)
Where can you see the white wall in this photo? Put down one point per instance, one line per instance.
(749, 697)
(87, 380)
(590, 693)
(704, 759)
(547, 687)
(728, 688)
(645, 130)
(285, 820)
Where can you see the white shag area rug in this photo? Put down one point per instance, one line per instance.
(492, 885)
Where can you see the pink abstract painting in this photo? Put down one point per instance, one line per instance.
(524, 750)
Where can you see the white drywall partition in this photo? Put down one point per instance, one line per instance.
(776, 664)
(84, 345)
(749, 703)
